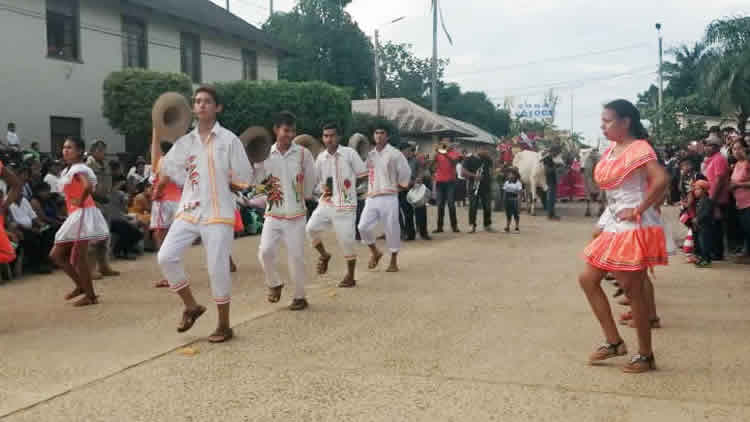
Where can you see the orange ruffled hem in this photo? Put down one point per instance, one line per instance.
(634, 250)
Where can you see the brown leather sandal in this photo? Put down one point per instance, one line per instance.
(639, 364)
(274, 293)
(86, 301)
(323, 264)
(189, 316)
(374, 260)
(347, 283)
(74, 293)
(221, 335)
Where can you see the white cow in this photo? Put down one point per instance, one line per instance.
(531, 172)
(589, 158)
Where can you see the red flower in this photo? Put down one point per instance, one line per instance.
(300, 177)
(347, 183)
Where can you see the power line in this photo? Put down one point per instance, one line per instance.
(631, 72)
(552, 59)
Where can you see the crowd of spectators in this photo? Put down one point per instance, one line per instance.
(711, 183)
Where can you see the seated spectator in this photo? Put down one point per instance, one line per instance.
(37, 238)
(25, 175)
(53, 176)
(139, 173)
(141, 204)
(126, 229)
(44, 204)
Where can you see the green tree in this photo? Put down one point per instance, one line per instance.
(404, 74)
(473, 107)
(255, 103)
(326, 45)
(129, 96)
(727, 78)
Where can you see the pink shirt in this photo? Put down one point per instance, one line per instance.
(716, 169)
(741, 173)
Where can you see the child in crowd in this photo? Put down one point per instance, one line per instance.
(702, 223)
(511, 188)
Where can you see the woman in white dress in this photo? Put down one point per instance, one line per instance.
(84, 224)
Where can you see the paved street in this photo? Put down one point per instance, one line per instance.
(475, 327)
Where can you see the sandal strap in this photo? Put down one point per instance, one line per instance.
(611, 347)
(641, 358)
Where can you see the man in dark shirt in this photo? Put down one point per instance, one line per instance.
(408, 212)
(478, 169)
(550, 173)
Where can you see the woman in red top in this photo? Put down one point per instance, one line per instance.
(84, 224)
(740, 186)
(7, 251)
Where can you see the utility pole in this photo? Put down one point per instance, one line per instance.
(270, 6)
(572, 113)
(377, 72)
(434, 56)
(661, 82)
(227, 5)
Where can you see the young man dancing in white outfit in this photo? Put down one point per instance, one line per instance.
(339, 169)
(289, 177)
(388, 172)
(206, 162)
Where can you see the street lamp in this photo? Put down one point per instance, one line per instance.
(661, 81)
(377, 60)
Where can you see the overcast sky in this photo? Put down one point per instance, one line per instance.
(494, 40)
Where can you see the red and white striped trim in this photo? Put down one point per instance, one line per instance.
(350, 257)
(222, 300)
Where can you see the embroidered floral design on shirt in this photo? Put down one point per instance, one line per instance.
(192, 170)
(298, 186)
(273, 191)
(345, 192)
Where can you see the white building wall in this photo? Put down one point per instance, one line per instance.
(35, 87)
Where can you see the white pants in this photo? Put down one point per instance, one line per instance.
(383, 209)
(292, 233)
(217, 243)
(343, 221)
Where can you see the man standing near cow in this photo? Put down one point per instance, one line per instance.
(446, 158)
(551, 176)
(479, 170)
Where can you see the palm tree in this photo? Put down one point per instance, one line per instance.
(683, 75)
(727, 76)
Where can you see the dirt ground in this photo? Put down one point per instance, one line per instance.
(475, 327)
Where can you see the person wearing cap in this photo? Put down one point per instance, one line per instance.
(703, 223)
(716, 170)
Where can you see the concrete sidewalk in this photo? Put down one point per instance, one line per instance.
(475, 327)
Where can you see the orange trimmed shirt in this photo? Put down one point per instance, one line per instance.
(206, 170)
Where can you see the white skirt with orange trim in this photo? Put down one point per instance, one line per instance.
(83, 224)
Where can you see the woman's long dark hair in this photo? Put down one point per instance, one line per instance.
(625, 109)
